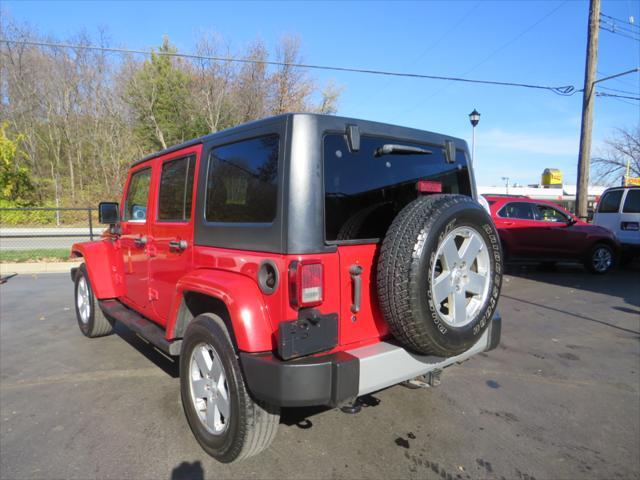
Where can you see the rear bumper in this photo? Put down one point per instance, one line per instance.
(339, 377)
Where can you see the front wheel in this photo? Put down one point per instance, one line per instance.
(601, 259)
(226, 421)
(91, 320)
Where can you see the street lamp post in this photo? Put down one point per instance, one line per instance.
(474, 118)
(506, 180)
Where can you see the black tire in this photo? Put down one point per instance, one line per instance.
(547, 266)
(407, 260)
(591, 263)
(252, 425)
(96, 323)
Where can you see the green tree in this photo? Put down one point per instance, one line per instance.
(159, 95)
(15, 185)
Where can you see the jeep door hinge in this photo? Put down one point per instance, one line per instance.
(153, 294)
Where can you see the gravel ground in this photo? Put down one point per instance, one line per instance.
(560, 398)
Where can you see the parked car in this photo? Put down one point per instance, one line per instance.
(619, 211)
(541, 231)
(294, 261)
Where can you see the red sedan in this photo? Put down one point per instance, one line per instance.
(542, 231)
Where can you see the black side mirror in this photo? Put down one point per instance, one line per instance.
(108, 213)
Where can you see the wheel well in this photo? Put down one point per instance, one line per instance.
(194, 304)
(608, 243)
(75, 254)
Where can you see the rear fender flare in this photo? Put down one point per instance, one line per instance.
(248, 315)
(104, 267)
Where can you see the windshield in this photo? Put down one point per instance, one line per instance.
(364, 192)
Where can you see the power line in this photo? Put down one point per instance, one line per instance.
(614, 25)
(495, 52)
(618, 90)
(561, 90)
(619, 20)
(607, 28)
(429, 48)
(603, 94)
(620, 80)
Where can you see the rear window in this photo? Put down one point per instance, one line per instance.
(610, 202)
(521, 210)
(363, 193)
(242, 181)
(632, 202)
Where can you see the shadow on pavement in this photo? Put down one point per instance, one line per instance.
(188, 471)
(170, 365)
(300, 416)
(566, 312)
(623, 283)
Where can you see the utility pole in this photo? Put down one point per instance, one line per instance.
(588, 97)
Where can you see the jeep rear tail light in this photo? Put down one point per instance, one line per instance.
(306, 283)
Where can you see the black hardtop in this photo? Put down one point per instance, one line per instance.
(323, 121)
(299, 223)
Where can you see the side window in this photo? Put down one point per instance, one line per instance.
(519, 210)
(176, 189)
(242, 181)
(546, 213)
(632, 202)
(610, 202)
(135, 206)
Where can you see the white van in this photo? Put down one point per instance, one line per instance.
(619, 211)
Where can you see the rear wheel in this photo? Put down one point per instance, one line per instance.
(92, 322)
(601, 259)
(439, 274)
(226, 421)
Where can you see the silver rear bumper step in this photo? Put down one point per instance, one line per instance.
(384, 364)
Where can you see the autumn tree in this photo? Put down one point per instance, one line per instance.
(78, 117)
(158, 93)
(15, 184)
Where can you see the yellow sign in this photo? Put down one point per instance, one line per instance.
(631, 181)
(551, 176)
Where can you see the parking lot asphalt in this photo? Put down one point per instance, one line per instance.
(560, 398)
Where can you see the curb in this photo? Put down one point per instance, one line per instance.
(51, 267)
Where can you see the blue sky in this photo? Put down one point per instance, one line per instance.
(521, 131)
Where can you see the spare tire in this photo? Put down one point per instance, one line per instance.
(439, 274)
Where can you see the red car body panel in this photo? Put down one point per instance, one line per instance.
(104, 266)
(545, 240)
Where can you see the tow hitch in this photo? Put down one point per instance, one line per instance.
(430, 379)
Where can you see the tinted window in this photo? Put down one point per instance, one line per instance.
(176, 189)
(520, 210)
(632, 202)
(135, 207)
(546, 213)
(610, 202)
(363, 193)
(242, 181)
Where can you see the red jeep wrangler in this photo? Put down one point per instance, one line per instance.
(293, 261)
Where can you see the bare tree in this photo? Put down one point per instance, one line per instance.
(82, 116)
(622, 148)
(291, 86)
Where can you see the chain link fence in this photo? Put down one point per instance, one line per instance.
(44, 233)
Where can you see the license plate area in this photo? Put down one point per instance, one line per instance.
(312, 332)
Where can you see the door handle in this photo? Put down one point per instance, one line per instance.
(140, 242)
(178, 245)
(355, 271)
(508, 223)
